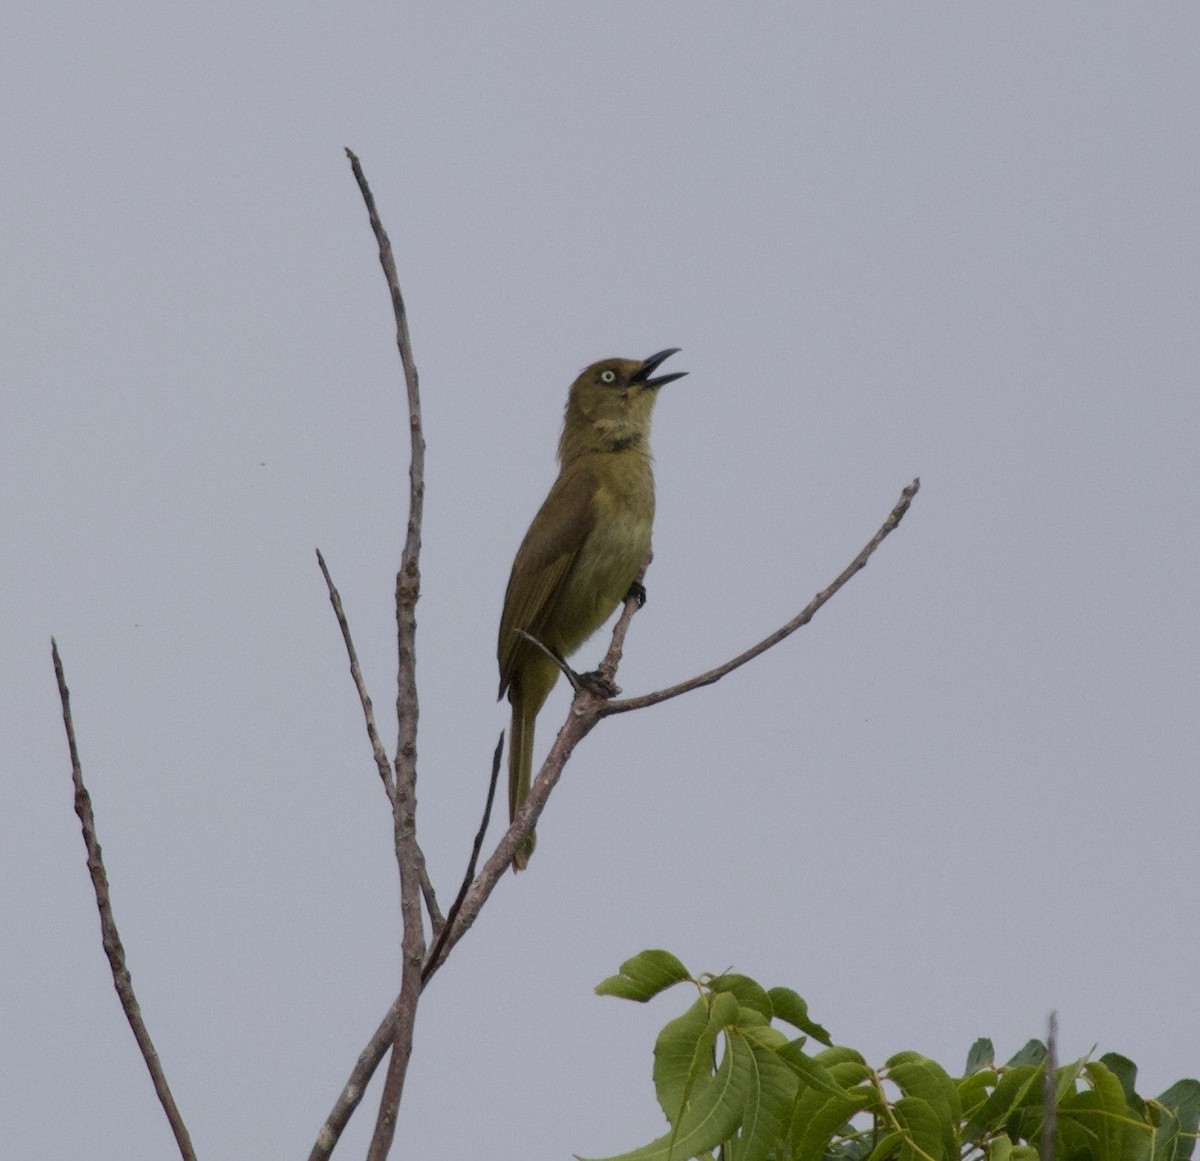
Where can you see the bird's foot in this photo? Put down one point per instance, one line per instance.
(598, 684)
(637, 591)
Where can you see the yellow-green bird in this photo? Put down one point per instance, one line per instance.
(584, 548)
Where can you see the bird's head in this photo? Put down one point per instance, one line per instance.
(609, 404)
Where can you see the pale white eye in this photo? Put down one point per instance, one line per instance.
(608, 376)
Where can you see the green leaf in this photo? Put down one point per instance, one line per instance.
(770, 1094)
(724, 1008)
(684, 1058)
(1181, 1101)
(1113, 1131)
(973, 1091)
(926, 1131)
(750, 993)
(1034, 1052)
(644, 976)
(1167, 1142)
(918, 1076)
(846, 1067)
(999, 1148)
(1126, 1072)
(1011, 1089)
(1066, 1077)
(810, 1070)
(711, 1116)
(887, 1146)
(1178, 1112)
(981, 1055)
(792, 1009)
(818, 1115)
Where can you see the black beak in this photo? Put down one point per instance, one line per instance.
(650, 365)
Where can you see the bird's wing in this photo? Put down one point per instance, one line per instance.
(542, 565)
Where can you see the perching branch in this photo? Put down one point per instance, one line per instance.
(801, 618)
(404, 819)
(113, 947)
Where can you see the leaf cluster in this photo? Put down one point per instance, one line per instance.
(736, 1087)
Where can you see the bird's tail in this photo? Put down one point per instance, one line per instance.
(520, 767)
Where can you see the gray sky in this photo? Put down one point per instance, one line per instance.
(949, 240)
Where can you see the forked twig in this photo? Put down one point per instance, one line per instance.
(432, 962)
(382, 762)
(404, 805)
(113, 947)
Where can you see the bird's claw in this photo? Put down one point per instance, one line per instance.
(597, 684)
(637, 591)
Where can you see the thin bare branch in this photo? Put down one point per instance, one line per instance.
(436, 919)
(634, 600)
(802, 618)
(113, 947)
(455, 907)
(382, 761)
(1050, 1089)
(563, 667)
(404, 820)
(585, 713)
(352, 1094)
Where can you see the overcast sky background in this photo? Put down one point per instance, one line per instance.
(958, 241)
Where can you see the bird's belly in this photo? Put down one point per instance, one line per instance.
(603, 571)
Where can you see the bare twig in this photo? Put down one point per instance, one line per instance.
(435, 951)
(382, 762)
(113, 947)
(802, 618)
(1050, 1089)
(563, 667)
(436, 919)
(587, 709)
(404, 820)
(352, 1094)
(634, 600)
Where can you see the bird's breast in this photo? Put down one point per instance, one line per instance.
(615, 550)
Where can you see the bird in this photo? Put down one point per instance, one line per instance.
(584, 549)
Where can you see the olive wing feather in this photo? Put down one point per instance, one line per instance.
(542, 566)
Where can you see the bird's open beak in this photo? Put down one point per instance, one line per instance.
(650, 365)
